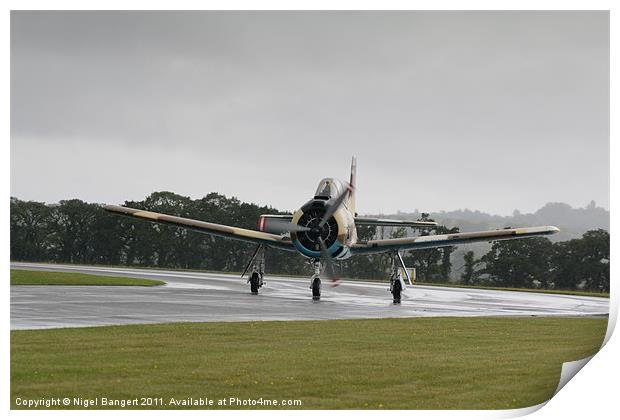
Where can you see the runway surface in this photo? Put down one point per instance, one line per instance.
(195, 296)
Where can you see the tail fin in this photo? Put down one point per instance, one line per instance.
(353, 182)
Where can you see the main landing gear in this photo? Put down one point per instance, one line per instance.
(258, 269)
(255, 283)
(315, 282)
(397, 285)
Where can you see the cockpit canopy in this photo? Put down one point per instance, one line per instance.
(328, 188)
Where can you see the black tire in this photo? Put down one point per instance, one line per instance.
(316, 288)
(254, 280)
(396, 289)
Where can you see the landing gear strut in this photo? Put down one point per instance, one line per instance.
(396, 279)
(258, 269)
(315, 283)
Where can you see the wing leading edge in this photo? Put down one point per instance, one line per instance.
(437, 241)
(247, 235)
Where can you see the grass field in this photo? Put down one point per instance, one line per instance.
(34, 277)
(414, 363)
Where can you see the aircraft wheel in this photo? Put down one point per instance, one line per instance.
(396, 289)
(316, 289)
(254, 280)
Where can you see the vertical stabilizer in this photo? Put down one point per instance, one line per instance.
(353, 182)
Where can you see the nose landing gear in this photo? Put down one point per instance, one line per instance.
(316, 288)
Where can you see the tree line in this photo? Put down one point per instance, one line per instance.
(73, 231)
(537, 262)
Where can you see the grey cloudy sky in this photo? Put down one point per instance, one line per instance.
(483, 110)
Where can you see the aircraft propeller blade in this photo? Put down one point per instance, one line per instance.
(329, 264)
(335, 205)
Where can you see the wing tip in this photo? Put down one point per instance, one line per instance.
(544, 230)
(112, 208)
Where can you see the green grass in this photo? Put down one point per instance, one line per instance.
(410, 363)
(34, 277)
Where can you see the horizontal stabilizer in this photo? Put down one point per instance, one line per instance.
(273, 223)
(371, 221)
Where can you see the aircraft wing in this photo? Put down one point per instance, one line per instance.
(438, 241)
(247, 235)
(371, 221)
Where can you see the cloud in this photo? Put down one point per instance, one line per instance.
(488, 110)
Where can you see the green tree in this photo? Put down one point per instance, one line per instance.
(445, 266)
(432, 264)
(596, 260)
(30, 230)
(582, 263)
(468, 276)
(71, 227)
(519, 263)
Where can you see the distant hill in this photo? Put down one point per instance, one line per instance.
(573, 222)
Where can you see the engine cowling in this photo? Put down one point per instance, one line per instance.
(334, 232)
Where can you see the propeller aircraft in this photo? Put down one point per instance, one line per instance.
(324, 230)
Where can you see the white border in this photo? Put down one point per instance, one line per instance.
(590, 394)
